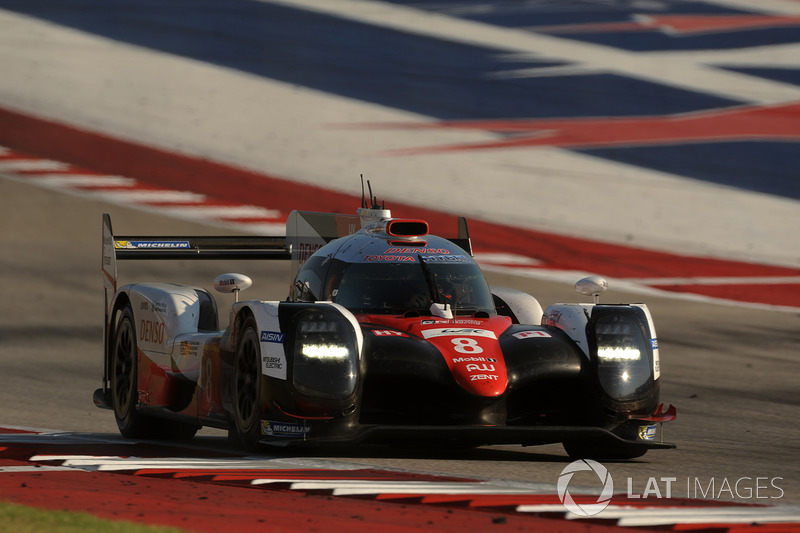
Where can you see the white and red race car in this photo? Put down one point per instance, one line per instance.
(389, 334)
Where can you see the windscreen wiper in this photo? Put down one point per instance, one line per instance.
(440, 306)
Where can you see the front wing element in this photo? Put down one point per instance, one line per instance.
(477, 436)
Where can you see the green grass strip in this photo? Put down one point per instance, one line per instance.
(25, 519)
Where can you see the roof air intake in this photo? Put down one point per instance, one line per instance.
(407, 228)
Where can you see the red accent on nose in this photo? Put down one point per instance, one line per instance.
(482, 374)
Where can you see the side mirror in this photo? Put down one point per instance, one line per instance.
(232, 282)
(592, 286)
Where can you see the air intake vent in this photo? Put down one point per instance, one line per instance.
(407, 228)
(409, 243)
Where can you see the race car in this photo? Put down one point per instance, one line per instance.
(389, 334)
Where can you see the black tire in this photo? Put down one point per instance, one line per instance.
(124, 390)
(124, 358)
(593, 450)
(247, 388)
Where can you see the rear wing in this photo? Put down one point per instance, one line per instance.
(120, 248)
(306, 232)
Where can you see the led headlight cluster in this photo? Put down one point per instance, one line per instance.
(325, 355)
(624, 364)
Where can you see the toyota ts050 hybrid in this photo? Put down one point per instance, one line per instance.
(388, 334)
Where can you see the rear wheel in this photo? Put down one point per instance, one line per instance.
(125, 391)
(247, 387)
(124, 374)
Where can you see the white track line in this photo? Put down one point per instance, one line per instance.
(735, 280)
(138, 196)
(622, 515)
(229, 212)
(25, 165)
(82, 180)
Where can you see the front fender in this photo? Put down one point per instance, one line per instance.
(621, 345)
(311, 354)
(277, 322)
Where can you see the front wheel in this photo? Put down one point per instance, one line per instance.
(247, 388)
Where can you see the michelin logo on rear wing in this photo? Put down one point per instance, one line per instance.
(152, 245)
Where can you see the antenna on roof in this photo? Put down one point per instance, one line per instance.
(363, 198)
(371, 212)
(373, 200)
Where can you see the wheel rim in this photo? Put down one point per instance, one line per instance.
(124, 370)
(247, 381)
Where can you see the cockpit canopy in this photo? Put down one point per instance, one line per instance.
(369, 274)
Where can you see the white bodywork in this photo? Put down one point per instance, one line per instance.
(525, 307)
(167, 318)
(163, 311)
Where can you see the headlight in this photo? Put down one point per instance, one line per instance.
(320, 337)
(624, 363)
(325, 351)
(618, 353)
(325, 355)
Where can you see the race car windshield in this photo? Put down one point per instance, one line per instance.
(397, 288)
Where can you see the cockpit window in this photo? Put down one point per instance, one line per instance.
(396, 288)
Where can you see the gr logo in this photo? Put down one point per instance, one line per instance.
(585, 509)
